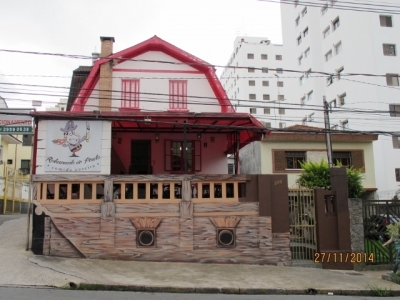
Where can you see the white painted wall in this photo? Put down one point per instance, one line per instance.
(154, 87)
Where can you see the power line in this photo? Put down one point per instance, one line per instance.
(203, 64)
(338, 6)
(210, 126)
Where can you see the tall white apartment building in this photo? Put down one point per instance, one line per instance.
(350, 58)
(60, 106)
(254, 80)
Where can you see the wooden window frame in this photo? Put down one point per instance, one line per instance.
(196, 156)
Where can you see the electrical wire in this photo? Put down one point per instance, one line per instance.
(337, 6)
(203, 64)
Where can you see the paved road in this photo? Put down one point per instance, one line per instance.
(4, 218)
(9, 293)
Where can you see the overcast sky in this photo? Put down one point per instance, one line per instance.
(206, 29)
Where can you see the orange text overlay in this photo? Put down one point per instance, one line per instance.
(343, 257)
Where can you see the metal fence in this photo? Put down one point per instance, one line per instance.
(303, 243)
(377, 215)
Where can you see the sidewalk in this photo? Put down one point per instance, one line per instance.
(22, 268)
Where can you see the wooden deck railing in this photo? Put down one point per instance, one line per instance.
(138, 189)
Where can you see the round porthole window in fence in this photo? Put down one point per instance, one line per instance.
(226, 237)
(146, 238)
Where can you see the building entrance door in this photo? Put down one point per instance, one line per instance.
(140, 157)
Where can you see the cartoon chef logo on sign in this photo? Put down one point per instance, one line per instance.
(73, 146)
(72, 139)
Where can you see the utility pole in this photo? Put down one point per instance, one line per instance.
(327, 132)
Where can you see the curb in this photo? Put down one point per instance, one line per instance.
(215, 290)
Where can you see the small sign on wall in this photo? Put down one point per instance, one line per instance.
(15, 121)
(73, 146)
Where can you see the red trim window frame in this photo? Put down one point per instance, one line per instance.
(178, 95)
(130, 93)
(173, 161)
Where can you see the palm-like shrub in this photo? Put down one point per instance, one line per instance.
(316, 175)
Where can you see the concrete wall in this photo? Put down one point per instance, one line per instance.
(250, 159)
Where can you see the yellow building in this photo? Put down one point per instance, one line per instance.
(15, 164)
(281, 152)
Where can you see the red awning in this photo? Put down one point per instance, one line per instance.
(244, 125)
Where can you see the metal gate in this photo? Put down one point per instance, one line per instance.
(377, 214)
(303, 243)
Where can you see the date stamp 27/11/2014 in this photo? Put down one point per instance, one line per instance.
(343, 257)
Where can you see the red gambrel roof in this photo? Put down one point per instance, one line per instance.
(155, 44)
(248, 128)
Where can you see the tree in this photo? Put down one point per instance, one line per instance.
(316, 175)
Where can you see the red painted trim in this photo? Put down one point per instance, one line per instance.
(157, 71)
(128, 109)
(178, 110)
(156, 44)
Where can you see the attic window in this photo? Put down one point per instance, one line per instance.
(130, 93)
(178, 94)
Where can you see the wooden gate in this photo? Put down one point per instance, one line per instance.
(303, 243)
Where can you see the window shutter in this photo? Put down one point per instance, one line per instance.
(357, 159)
(279, 161)
(167, 155)
(197, 156)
